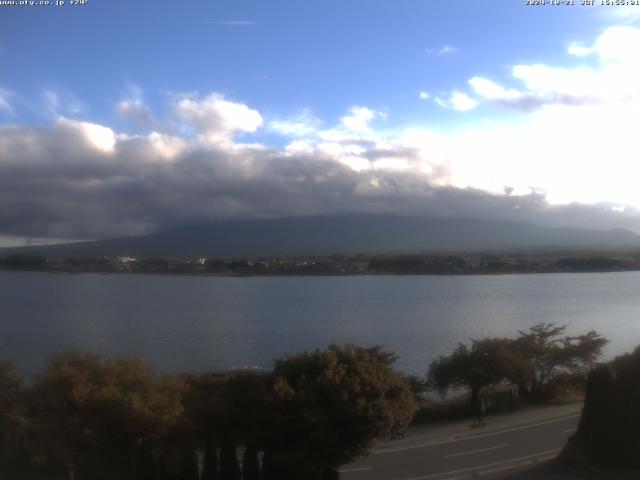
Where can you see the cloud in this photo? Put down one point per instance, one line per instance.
(458, 101)
(447, 50)
(300, 125)
(79, 179)
(569, 158)
(614, 78)
(626, 14)
(135, 110)
(4, 101)
(82, 180)
(100, 137)
(441, 51)
(492, 91)
(216, 119)
(63, 102)
(52, 99)
(424, 95)
(584, 153)
(488, 90)
(578, 49)
(358, 119)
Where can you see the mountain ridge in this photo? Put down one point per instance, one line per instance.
(341, 234)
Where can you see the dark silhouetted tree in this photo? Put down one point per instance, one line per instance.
(250, 464)
(101, 417)
(331, 405)
(549, 353)
(229, 466)
(608, 428)
(207, 410)
(210, 469)
(486, 362)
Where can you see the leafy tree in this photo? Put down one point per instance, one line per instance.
(210, 460)
(486, 362)
(206, 409)
(608, 428)
(250, 464)
(102, 418)
(549, 353)
(229, 465)
(418, 385)
(247, 403)
(15, 454)
(228, 409)
(331, 405)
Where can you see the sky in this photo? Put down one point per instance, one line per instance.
(121, 118)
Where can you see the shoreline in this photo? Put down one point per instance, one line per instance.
(327, 274)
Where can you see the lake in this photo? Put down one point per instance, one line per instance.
(182, 323)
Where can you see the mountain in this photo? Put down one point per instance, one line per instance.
(345, 234)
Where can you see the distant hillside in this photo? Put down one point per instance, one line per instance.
(347, 234)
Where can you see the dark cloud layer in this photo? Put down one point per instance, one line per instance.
(78, 180)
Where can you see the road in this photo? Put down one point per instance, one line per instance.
(475, 453)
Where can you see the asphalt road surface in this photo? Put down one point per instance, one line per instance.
(482, 453)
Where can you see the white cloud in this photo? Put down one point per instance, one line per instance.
(441, 51)
(578, 49)
(303, 124)
(4, 101)
(19, 241)
(458, 101)
(543, 79)
(492, 91)
(217, 119)
(136, 110)
(153, 148)
(615, 77)
(63, 102)
(52, 99)
(358, 119)
(629, 14)
(101, 137)
(582, 153)
(424, 95)
(575, 140)
(618, 43)
(82, 179)
(447, 50)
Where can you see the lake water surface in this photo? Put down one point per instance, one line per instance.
(182, 323)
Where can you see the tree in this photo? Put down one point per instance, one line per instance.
(102, 418)
(549, 353)
(486, 362)
(608, 429)
(229, 409)
(206, 409)
(331, 405)
(15, 453)
(229, 465)
(210, 460)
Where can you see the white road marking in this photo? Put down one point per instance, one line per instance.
(569, 430)
(470, 452)
(487, 465)
(501, 469)
(473, 437)
(412, 447)
(359, 469)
